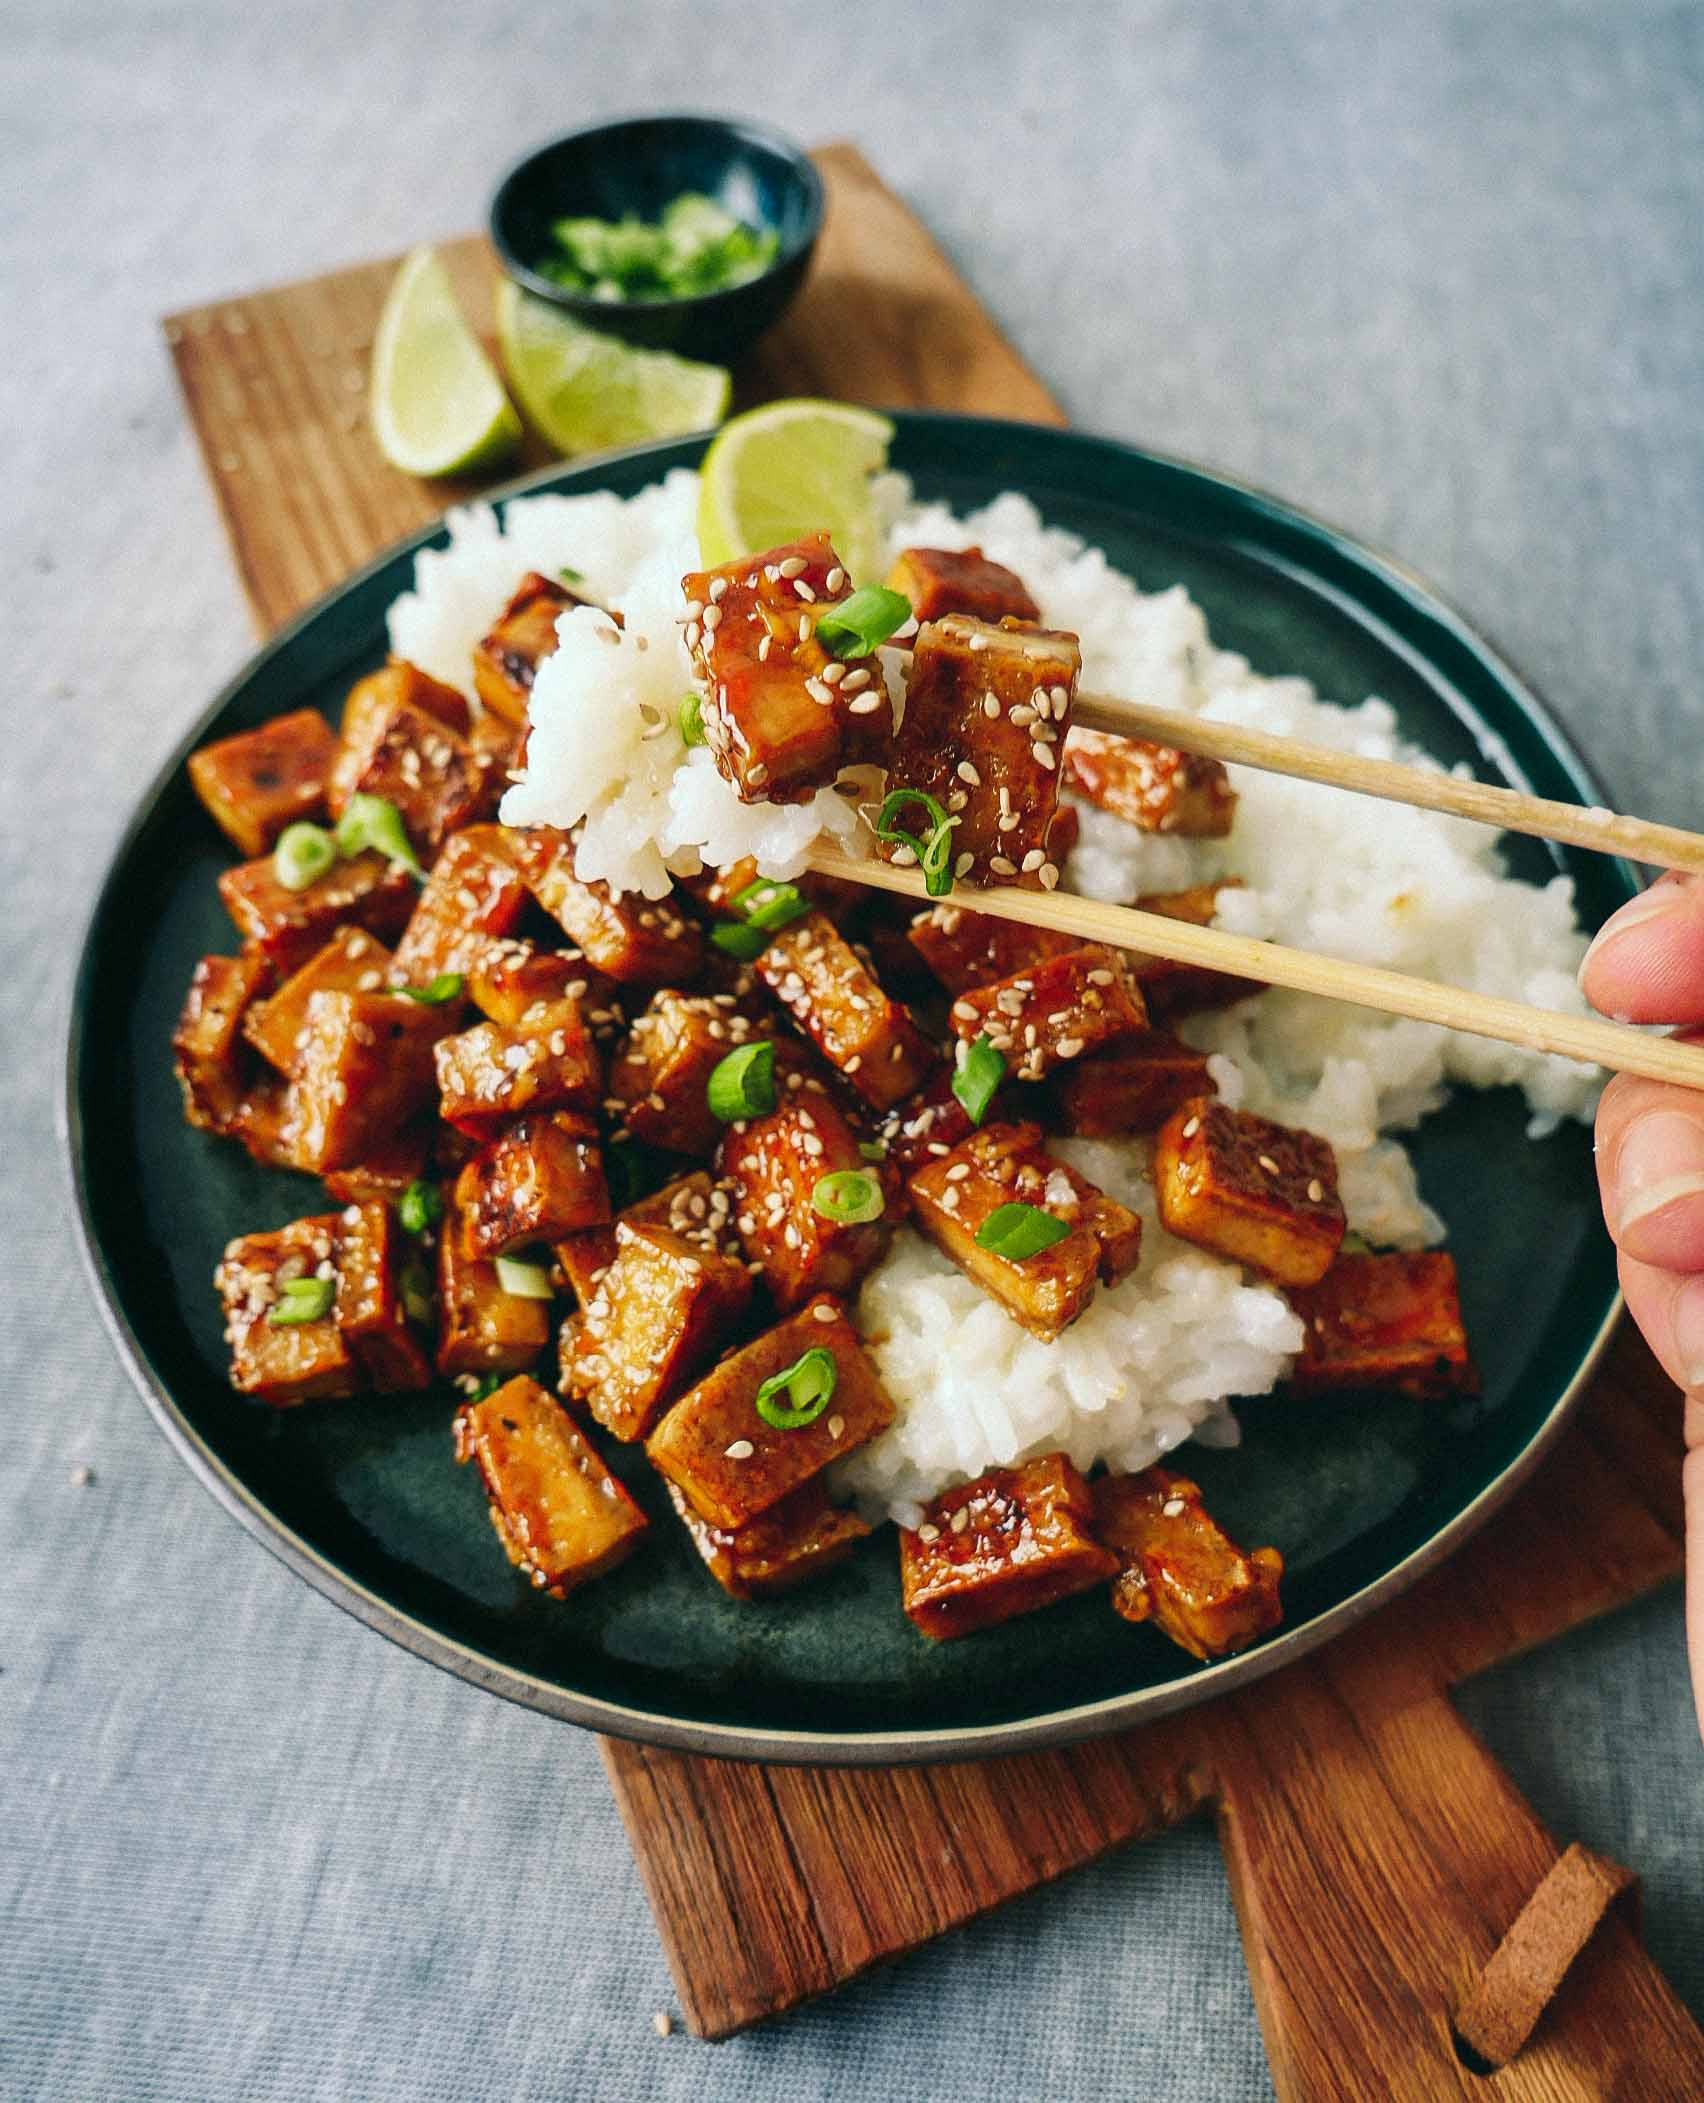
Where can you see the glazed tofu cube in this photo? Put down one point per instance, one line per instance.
(265, 1122)
(482, 1328)
(1180, 1568)
(781, 715)
(772, 1165)
(207, 1046)
(387, 1171)
(695, 1207)
(562, 1517)
(986, 709)
(1249, 1189)
(659, 1314)
(538, 1181)
(472, 898)
(370, 702)
(1150, 786)
(431, 773)
(1389, 1321)
(1013, 1540)
(1052, 1012)
(928, 1126)
(791, 1543)
(939, 581)
(276, 1362)
(965, 949)
(365, 1067)
(1172, 989)
(628, 938)
(506, 662)
(289, 926)
(1133, 1085)
(259, 781)
(353, 961)
(491, 1073)
(658, 1078)
(511, 977)
(368, 1309)
(733, 1464)
(955, 1195)
(829, 991)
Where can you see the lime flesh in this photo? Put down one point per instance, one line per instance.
(791, 468)
(436, 403)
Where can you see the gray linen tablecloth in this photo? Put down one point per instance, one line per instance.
(1433, 270)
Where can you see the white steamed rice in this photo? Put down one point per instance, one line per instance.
(1156, 1357)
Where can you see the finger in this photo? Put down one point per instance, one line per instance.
(1650, 1167)
(1647, 962)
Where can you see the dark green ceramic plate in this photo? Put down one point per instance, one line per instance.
(361, 1498)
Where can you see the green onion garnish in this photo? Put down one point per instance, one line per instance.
(858, 624)
(1018, 1232)
(976, 1080)
(373, 821)
(420, 1206)
(743, 1084)
(446, 986)
(303, 854)
(933, 848)
(848, 1197)
(809, 1382)
(736, 938)
(302, 1300)
(569, 576)
(414, 1288)
(692, 720)
(873, 1149)
(523, 1280)
(770, 905)
(487, 1384)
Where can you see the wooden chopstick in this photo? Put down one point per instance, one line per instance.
(1510, 810)
(1580, 1037)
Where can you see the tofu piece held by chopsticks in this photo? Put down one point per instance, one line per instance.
(939, 581)
(1153, 787)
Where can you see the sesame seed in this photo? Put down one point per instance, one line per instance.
(865, 705)
(834, 580)
(794, 566)
(1190, 1129)
(1266, 1162)
(967, 773)
(991, 706)
(836, 1427)
(1172, 1507)
(1049, 875)
(859, 676)
(1316, 1190)
(926, 1532)
(964, 863)
(741, 1449)
(833, 673)
(823, 1312)
(718, 588)
(1001, 866)
(804, 590)
(1033, 861)
(961, 1518)
(712, 619)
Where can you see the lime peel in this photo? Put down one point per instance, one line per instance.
(790, 468)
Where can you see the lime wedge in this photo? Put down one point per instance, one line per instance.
(791, 468)
(437, 405)
(586, 392)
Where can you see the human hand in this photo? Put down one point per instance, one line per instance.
(1647, 965)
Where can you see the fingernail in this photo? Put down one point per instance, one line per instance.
(1660, 1161)
(1662, 897)
(1688, 1334)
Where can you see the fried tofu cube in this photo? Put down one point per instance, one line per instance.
(506, 662)
(1172, 989)
(1132, 1085)
(732, 1463)
(367, 705)
(1153, 787)
(1054, 1011)
(283, 1363)
(482, 1328)
(511, 977)
(628, 938)
(411, 758)
(772, 1165)
(965, 949)
(659, 1314)
(538, 1181)
(929, 1125)
(695, 1207)
(353, 961)
(384, 1174)
(289, 926)
(473, 897)
(833, 996)
(365, 1067)
(781, 716)
(369, 1309)
(955, 1195)
(491, 1073)
(986, 709)
(1013, 1540)
(938, 581)
(1244, 1187)
(259, 781)
(791, 1543)
(1180, 1568)
(560, 1514)
(207, 1045)
(659, 1075)
(265, 1122)
(1391, 1322)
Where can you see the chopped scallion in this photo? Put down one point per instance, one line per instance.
(975, 1082)
(302, 856)
(848, 1197)
(569, 576)
(414, 1289)
(859, 623)
(873, 1149)
(692, 720)
(808, 1384)
(770, 905)
(1019, 1231)
(933, 848)
(302, 1300)
(446, 986)
(374, 821)
(523, 1280)
(743, 1084)
(420, 1206)
(487, 1384)
(737, 938)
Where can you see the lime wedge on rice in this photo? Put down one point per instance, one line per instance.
(791, 468)
(586, 392)
(437, 405)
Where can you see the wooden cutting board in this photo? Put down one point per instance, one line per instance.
(1378, 1854)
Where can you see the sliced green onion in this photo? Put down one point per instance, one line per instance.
(692, 720)
(873, 1149)
(374, 821)
(1019, 1232)
(975, 1082)
(858, 624)
(486, 1384)
(523, 1280)
(569, 576)
(743, 1084)
(302, 1300)
(808, 1382)
(625, 1172)
(770, 905)
(302, 856)
(446, 986)
(420, 1206)
(933, 848)
(735, 938)
(414, 1288)
(848, 1197)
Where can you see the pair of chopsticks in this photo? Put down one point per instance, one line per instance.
(1584, 1038)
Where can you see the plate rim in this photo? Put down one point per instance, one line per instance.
(730, 1741)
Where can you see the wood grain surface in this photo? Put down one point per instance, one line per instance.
(1378, 1854)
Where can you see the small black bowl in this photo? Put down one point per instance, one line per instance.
(638, 165)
